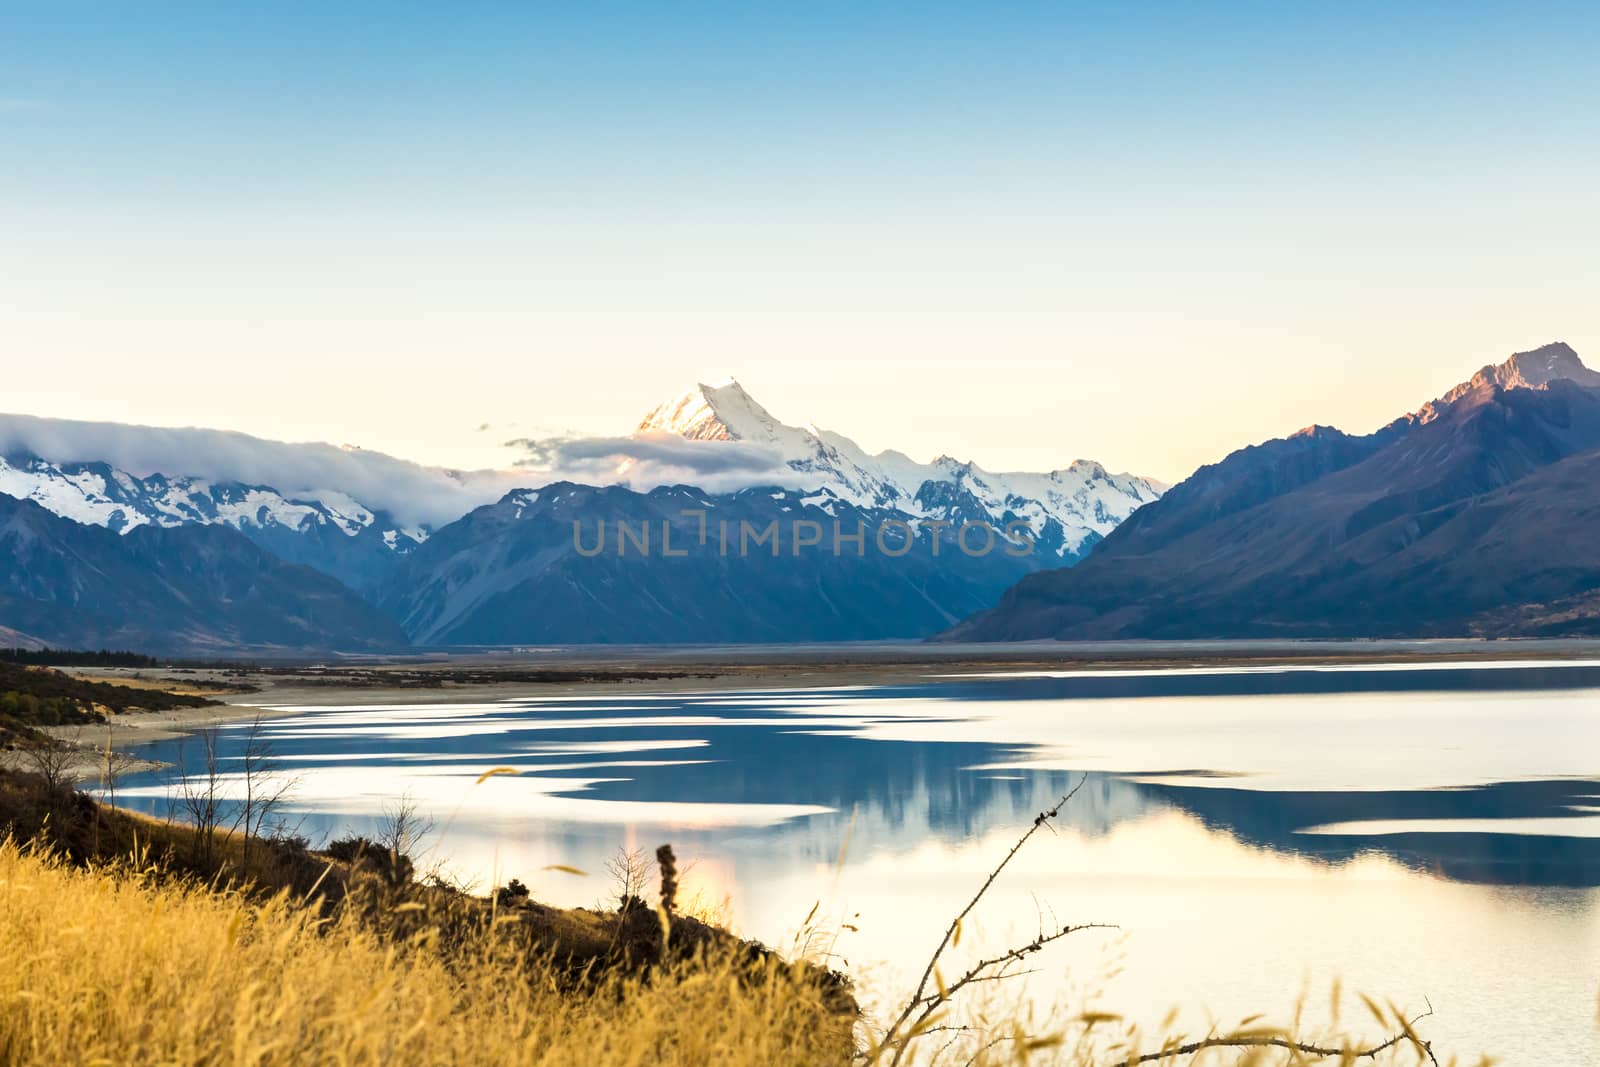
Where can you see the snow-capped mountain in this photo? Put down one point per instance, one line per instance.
(347, 512)
(332, 532)
(1068, 510)
(490, 556)
(348, 480)
(513, 572)
(97, 494)
(188, 589)
(344, 510)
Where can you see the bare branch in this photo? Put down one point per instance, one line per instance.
(199, 793)
(1011, 956)
(55, 762)
(1406, 1034)
(630, 874)
(917, 1018)
(404, 826)
(898, 1036)
(266, 788)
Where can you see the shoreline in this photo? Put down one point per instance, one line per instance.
(244, 692)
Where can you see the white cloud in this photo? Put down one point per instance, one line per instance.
(409, 491)
(646, 460)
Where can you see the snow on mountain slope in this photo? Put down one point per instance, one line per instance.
(122, 477)
(415, 495)
(97, 494)
(1068, 509)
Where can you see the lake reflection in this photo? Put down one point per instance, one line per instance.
(1420, 832)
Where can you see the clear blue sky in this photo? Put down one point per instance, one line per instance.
(1020, 233)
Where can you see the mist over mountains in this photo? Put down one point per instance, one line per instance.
(713, 521)
(415, 495)
(490, 557)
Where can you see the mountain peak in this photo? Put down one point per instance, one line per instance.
(1545, 364)
(1083, 500)
(719, 411)
(1534, 369)
(1317, 429)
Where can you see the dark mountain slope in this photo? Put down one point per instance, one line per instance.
(1465, 522)
(510, 573)
(1246, 478)
(1524, 559)
(184, 589)
(338, 536)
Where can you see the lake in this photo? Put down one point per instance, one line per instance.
(1425, 833)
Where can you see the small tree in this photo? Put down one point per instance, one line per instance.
(400, 833)
(199, 792)
(55, 762)
(265, 789)
(113, 765)
(403, 827)
(630, 875)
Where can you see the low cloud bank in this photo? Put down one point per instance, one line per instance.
(647, 460)
(410, 492)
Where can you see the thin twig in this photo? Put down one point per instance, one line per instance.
(933, 1001)
(1245, 1041)
(1013, 956)
(919, 1010)
(894, 1037)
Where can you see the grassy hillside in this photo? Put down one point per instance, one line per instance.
(125, 941)
(108, 967)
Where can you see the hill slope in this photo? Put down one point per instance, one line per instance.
(193, 589)
(513, 572)
(1469, 517)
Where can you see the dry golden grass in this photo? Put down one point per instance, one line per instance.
(102, 966)
(115, 966)
(106, 957)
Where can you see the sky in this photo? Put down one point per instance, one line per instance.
(1021, 234)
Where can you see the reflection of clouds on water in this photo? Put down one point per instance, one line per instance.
(1244, 826)
(1250, 752)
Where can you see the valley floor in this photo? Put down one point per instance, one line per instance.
(486, 673)
(245, 691)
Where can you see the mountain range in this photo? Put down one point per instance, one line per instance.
(553, 566)
(492, 557)
(197, 588)
(1068, 510)
(1474, 515)
(331, 532)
